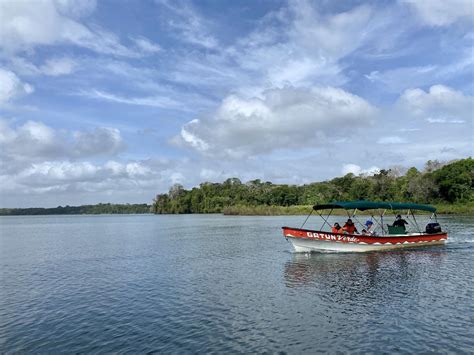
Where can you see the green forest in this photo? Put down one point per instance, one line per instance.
(101, 208)
(449, 186)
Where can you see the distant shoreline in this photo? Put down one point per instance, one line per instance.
(262, 210)
(101, 208)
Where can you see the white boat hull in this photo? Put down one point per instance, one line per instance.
(315, 245)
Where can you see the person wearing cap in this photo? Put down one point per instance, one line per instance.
(369, 230)
(399, 222)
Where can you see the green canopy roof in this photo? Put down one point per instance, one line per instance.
(368, 205)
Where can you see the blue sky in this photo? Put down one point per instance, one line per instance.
(115, 101)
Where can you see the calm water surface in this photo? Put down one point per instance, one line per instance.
(211, 283)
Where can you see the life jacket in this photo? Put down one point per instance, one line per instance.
(335, 230)
(349, 228)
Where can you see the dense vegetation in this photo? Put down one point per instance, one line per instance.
(441, 184)
(101, 208)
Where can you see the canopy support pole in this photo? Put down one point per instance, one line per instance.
(307, 218)
(416, 223)
(325, 220)
(435, 217)
(354, 216)
(381, 221)
(376, 221)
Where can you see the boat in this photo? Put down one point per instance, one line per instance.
(386, 235)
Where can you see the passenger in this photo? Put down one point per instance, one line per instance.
(337, 228)
(350, 227)
(399, 222)
(370, 228)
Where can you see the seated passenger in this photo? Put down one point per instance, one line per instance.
(337, 228)
(370, 228)
(350, 227)
(399, 222)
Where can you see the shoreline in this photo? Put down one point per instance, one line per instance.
(442, 209)
(240, 210)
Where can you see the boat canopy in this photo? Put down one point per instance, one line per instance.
(368, 205)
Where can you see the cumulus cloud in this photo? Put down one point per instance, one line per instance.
(442, 12)
(282, 118)
(54, 173)
(34, 141)
(357, 170)
(439, 104)
(101, 140)
(50, 183)
(12, 87)
(37, 159)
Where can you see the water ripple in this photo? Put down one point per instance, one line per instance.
(215, 284)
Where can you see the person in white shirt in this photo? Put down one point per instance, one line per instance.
(370, 229)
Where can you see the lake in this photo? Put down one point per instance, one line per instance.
(216, 284)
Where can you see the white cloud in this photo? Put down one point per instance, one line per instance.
(399, 79)
(34, 141)
(146, 45)
(153, 101)
(58, 66)
(297, 44)
(189, 25)
(51, 173)
(439, 103)
(193, 140)
(282, 118)
(391, 140)
(443, 120)
(308, 45)
(145, 87)
(101, 140)
(49, 183)
(332, 36)
(357, 170)
(54, 66)
(61, 175)
(12, 87)
(442, 12)
(25, 25)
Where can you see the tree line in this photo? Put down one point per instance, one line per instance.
(448, 183)
(101, 208)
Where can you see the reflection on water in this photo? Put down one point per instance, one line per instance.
(415, 300)
(359, 272)
(216, 284)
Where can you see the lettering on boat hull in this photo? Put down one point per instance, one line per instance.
(307, 241)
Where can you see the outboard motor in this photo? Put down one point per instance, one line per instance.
(433, 228)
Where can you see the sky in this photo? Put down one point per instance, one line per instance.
(116, 101)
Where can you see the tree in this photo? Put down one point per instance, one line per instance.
(175, 191)
(450, 183)
(456, 180)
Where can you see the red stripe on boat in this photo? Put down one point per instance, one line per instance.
(358, 238)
